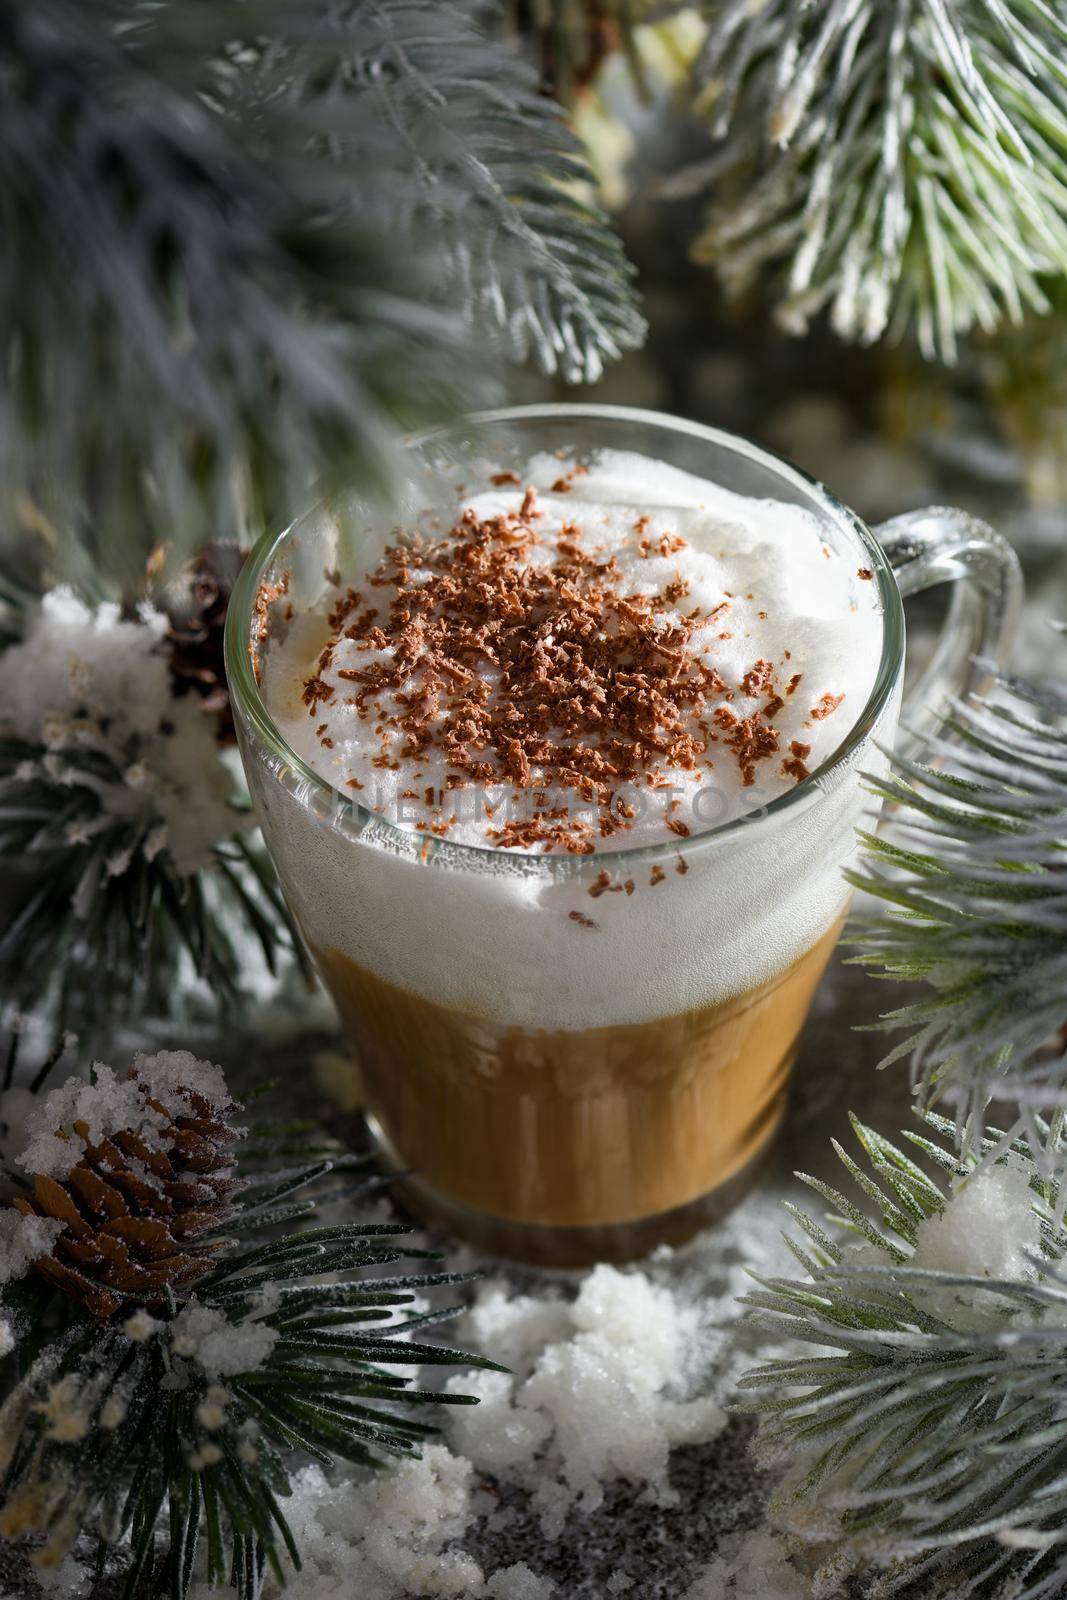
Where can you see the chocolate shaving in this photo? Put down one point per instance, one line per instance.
(826, 707)
(266, 595)
(793, 766)
(758, 679)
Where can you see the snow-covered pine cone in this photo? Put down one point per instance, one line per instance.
(136, 1205)
(116, 795)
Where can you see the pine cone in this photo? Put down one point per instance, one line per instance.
(572, 46)
(134, 1213)
(197, 628)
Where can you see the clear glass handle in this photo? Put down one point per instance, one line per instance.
(943, 545)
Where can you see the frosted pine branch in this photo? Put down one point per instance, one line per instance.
(499, 172)
(286, 250)
(972, 870)
(901, 164)
(922, 1427)
(170, 1347)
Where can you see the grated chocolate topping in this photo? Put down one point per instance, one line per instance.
(538, 670)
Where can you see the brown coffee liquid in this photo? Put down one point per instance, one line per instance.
(574, 1128)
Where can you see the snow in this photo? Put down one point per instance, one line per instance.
(140, 1327)
(113, 1412)
(382, 1539)
(110, 1104)
(224, 1349)
(211, 1412)
(393, 1537)
(167, 1073)
(598, 1394)
(518, 1582)
(88, 679)
(750, 1566)
(68, 1409)
(69, 1580)
(595, 1395)
(988, 1229)
(23, 1240)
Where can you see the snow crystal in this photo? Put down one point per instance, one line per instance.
(23, 1240)
(749, 1566)
(69, 1580)
(111, 1104)
(90, 678)
(223, 1348)
(519, 1583)
(987, 1229)
(140, 1326)
(592, 1392)
(113, 1412)
(211, 1412)
(67, 1409)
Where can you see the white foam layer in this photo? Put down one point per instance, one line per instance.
(778, 597)
(520, 938)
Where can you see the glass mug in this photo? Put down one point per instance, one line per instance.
(553, 1093)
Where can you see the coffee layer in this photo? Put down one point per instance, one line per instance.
(577, 1129)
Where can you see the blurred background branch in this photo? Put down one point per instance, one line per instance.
(246, 243)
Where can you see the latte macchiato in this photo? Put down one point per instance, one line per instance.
(574, 1010)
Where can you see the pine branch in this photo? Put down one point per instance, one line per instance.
(924, 1429)
(903, 163)
(531, 256)
(285, 251)
(972, 870)
(150, 1397)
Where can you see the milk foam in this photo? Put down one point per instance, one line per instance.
(519, 937)
(775, 591)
